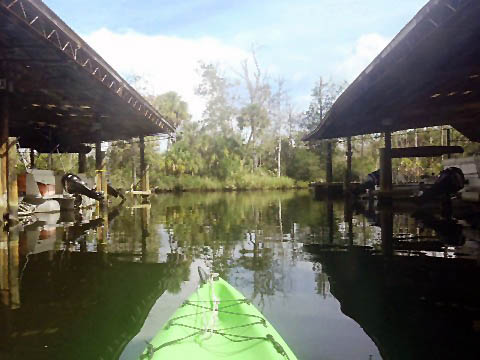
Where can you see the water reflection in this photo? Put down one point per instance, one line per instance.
(413, 292)
(67, 291)
(338, 279)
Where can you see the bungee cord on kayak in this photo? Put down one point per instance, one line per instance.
(210, 324)
(231, 337)
(208, 327)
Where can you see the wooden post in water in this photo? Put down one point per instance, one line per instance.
(8, 157)
(143, 166)
(102, 208)
(101, 175)
(449, 140)
(329, 169)
(82, 163)
(4, 99)
(14, 267)
(145, 183)
(386, 167)
(98, 165)
(12, 187)
(9, 268)
(4, 274)
(348, 173)
(102, 230)
(386, 224)
(145, 219)
(134, 174)
(32, 158)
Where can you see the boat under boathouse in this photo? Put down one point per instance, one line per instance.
(58, 94)
(429, 75)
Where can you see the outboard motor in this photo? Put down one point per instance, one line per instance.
(373, 179)
(450, 181)
(75, 186)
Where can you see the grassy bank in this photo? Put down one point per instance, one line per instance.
(240, 182)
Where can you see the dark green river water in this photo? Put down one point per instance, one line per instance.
(73, 287)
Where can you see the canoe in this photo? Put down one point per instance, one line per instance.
(217, 322)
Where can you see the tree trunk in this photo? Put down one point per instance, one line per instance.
(279, 158)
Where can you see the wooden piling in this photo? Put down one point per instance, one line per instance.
(4, 273)
(145, 220)
(82, 163)
(348, 172)
(143, 165)
(12, 187)
(32, 158)
(101, 176)
(134, 174)
(329, 166)
(14, 267)
(386, 167)
(9, 268)
(449, 140)
(98, 165)
(102, 208)
(8, 169)
(145, 181)
(103, 229)
(4, 114)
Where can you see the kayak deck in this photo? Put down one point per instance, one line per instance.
(217, 322)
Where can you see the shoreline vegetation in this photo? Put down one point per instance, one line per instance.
(248, 133)
(245, 182)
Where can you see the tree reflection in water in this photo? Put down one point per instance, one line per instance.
(83, 273)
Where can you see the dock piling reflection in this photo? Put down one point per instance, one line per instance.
(9, 267)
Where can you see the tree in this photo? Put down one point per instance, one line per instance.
(280, 111)
(172, 107)
(324, 95)
(254, 115)
(216, 90)
(304, 165)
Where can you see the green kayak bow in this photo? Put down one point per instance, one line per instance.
(217, 322)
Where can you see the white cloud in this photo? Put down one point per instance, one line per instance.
(360, 55)
(166, 62)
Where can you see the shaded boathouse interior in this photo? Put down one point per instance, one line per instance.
(58, 95)
(427, 76)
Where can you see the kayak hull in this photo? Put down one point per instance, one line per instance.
(217, 322)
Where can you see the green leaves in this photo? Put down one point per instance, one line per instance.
(324, 95)
(171, 106)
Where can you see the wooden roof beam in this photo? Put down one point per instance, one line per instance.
(425, 151)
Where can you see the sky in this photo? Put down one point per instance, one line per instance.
(297, 40)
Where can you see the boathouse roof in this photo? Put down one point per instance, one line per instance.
(60, 88)
(428, 75)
